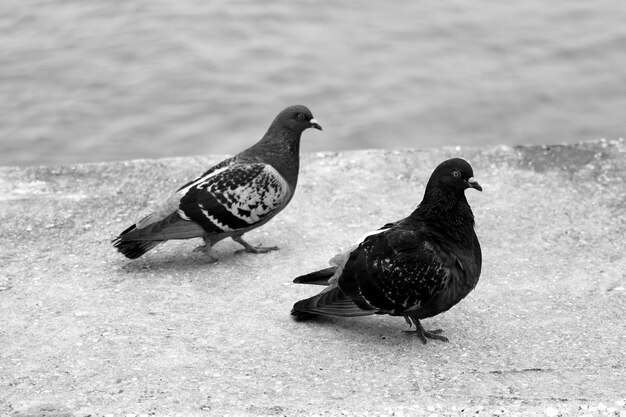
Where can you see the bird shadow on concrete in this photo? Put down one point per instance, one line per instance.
(178, 262)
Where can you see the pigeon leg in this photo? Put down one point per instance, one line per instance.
(423, 333)
(206, 248)
(252, 249)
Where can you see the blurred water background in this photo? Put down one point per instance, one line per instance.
(93, 80)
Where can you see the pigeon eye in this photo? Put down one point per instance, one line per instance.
(300, 117)
(456, 174)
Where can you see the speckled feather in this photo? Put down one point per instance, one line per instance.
(398, 270)
(235, 197)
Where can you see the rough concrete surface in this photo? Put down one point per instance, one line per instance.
(87, 332)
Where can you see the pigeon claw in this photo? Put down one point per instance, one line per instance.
(252, 249)
(258, 249)
(425, 335)
(422, 333)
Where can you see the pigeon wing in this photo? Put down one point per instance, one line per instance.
(394, 271)
(235, 197)
(328, 276)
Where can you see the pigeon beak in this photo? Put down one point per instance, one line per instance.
(474, 184)
(315, 124)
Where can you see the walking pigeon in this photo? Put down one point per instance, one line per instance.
(417, 267)
(237, 195)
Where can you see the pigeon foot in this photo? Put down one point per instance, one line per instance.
(252, 249)
(422, 333)
(207, 251)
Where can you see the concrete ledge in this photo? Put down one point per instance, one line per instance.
(86, 332)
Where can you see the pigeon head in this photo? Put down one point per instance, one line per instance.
(296, 118)
(453, 176)
(445, 192)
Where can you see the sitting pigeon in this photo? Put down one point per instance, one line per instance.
(417, 267)
(231, 198)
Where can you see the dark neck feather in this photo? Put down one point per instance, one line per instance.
(451, 210)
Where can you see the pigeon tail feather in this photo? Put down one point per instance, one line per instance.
(134, 242)
(133, 249)
(320, 277)
(330, 302)
(171, 227)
